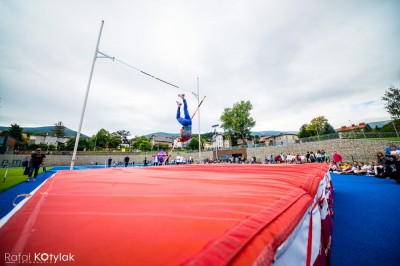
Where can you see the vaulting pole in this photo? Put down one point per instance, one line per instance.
(86, 97)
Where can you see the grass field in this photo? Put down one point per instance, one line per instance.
(10, 177)
(386, 139)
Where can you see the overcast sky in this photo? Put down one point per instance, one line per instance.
(293, 60)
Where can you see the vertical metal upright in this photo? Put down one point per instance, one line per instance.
(198, 104)
(86, 97)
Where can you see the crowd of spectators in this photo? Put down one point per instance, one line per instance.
(385, 166)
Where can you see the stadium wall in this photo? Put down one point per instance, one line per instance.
(358, 149)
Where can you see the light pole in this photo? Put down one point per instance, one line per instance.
(316, 129)
(352, 130)
(215, 140)
(395, 129)
(197, 95)
(95, 142)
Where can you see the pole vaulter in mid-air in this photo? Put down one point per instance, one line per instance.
(185, 121)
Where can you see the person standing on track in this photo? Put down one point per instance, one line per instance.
(37, 159)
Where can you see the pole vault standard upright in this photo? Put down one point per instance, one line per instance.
(96, 55)
(103, 55)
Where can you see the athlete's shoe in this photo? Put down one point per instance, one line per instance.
(178, 103)
(182, 96)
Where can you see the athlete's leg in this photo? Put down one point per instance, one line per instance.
(182, 121)
(178, 112)
(185, 110)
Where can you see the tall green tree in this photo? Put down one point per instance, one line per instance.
(318, 126)
(15, 131)
(303, 132)
(193, 144)
(122, 133)
(142, 143)
(84, 143)
(102, 138)
(392, 102)
(237, 122)
(115, 140)
(59, 129)
(328, 128)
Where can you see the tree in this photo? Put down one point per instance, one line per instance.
(392, 99)
(15, 131)
(122, 133)
(102, 138)
(317, 125)
(303, 132)
(328, 128)
(208, 136)
(237, 122)
(392, 127)
(115, 140)
(142, 143)
(193, 144)
(84, 143)
(59, 129)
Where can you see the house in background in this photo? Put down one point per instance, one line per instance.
(48, 140)
(345, 131)
(161, 140)
(281, 139)
(6, 143)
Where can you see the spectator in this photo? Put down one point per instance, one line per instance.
(325, 157)
(37, 159)
(361, 169)
(318, 156)
(380, 159)
(126, 160)
(351, 169)
(394, 151)
(337, 159)
(387, 170)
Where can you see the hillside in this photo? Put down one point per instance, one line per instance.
(256, 133)
(48, 129)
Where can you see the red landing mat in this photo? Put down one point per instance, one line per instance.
(167, 215)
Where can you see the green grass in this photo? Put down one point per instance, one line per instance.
(14, 177)
(388, 139)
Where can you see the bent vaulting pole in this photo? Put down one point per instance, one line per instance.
(86, 97)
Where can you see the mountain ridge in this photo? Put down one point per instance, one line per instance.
(46, 129)
(72, 133)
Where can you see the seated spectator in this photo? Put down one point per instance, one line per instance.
(352, 169)
(334, 168)
(387, 169)
(345, 166)
(318, 156)
(380, 159)
(371, 169)
(325, 157)
(395, 166)
(361, 169)
(394, 151)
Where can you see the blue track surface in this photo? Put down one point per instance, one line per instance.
(366, 223)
